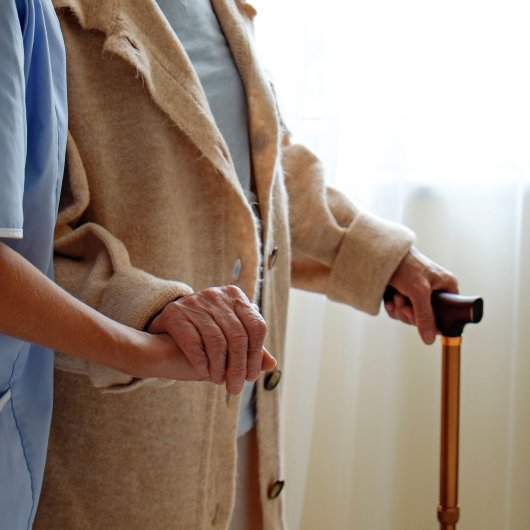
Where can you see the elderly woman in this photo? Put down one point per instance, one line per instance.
(35, 315)
(183, 187)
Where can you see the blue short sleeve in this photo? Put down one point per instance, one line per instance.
(12, 121)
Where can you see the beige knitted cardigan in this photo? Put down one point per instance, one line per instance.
(152, 209)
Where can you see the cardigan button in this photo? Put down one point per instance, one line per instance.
(273, 256)
(272, 379)
(275, 489)
(236, 273)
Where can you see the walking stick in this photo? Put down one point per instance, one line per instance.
(452, 313)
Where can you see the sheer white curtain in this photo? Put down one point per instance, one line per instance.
(420, 111)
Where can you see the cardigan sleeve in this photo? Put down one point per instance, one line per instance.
(337, 249)
(94, 266)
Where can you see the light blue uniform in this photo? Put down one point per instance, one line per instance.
(33, 125)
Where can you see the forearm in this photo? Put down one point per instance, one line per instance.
(337, 249)
(35, 309)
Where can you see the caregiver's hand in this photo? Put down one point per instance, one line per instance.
(221, 334)
(35, 309)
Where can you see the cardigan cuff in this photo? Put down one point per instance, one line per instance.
(131, 299)
(370, 252)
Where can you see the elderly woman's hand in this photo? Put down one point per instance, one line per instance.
(415, 279)
(220, 332)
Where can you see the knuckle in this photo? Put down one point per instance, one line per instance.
(234, 291)
(238, 342)
(215, 344)
(218, 366)
(237, 372)
(173, 310)
(254, 363)
(192, 301)
(189, 340)
(452, 282)
(195, 355)
(218, 372)
(218, 377)
(253, 369)
(229, 289)
(210, 293)
(257, 335)
(257, 319)
(423, 287)
(424, 319)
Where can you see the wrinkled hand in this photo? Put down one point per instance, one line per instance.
(415, 279)
(221, 334)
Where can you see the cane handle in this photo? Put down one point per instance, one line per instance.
(451, 311)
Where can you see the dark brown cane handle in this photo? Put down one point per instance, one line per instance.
(451, 311)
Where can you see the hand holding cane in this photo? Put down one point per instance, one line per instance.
(452, 312)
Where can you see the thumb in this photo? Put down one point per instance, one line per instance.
(155, 325)
(268, 362)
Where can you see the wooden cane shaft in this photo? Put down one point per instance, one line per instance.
(448, 511)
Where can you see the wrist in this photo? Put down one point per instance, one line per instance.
(142, 355)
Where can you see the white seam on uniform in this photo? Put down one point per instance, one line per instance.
(4, 399)
(13, 233)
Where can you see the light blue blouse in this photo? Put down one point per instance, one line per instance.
(196, 26)
(33, 129)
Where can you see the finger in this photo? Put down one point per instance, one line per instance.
(445, 282)
(190, 342)
(423, 314)
(268, 361)
(157, 325)
(403, 309)
(237, 349)
(390, 309)
(215, 344)
(400, 302)
(256, 329)
(224, 337)
(178, 365)
(185, 336)
(399, 308)
(199, 308)
(406, 315)
(217, 352)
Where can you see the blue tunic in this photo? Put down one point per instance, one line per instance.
(33, 125)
